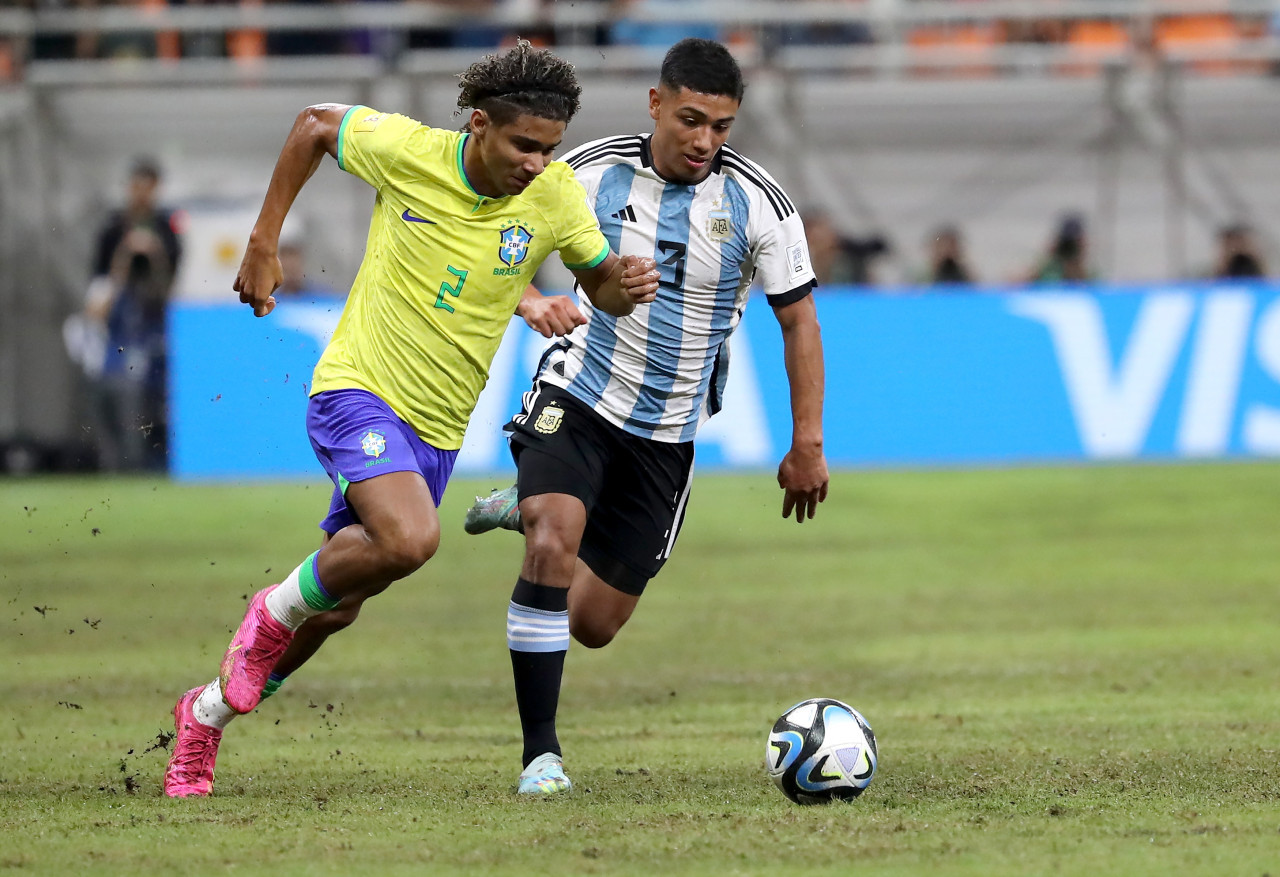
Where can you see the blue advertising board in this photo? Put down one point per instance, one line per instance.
(927, 378)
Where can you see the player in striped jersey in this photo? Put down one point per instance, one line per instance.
(460, 221)
(604, 445)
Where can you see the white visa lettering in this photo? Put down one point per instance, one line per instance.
(1113, 410)
(1213, 380)
(1262, 422)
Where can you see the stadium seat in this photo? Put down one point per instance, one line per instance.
(1211, 34)
(955, 50)
(249, 44)
(1091, 43)
(168, 42)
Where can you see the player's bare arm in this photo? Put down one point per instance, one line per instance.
(549, 315)
(314, 133)
(802, 474)
(619, 283)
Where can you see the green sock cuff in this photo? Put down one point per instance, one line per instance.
(272, 686)
(312, 591)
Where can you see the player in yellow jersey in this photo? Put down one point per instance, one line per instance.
(461, 222)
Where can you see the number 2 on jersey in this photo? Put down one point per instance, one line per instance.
(454, 291)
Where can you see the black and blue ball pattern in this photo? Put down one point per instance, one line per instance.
(822, 750)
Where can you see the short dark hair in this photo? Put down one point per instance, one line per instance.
(704, 66)
(145, 166)
(521, 81)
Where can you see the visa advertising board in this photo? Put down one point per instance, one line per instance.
(927, 378)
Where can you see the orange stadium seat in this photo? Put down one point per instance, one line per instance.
(1207, 32)
(168, 42)
(249, 44)
(968, 47)
(8, 64)
(1092, 42)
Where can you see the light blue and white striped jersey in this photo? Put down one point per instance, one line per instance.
(660, 372)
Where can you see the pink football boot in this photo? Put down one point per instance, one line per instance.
(253, 653)
(195, 749)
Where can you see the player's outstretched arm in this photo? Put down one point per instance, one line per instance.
(549, 314)
(803, 473)
(314, 133)
(619, 283)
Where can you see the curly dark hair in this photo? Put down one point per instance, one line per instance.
(521, 81)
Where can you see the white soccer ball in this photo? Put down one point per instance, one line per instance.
(821, 750)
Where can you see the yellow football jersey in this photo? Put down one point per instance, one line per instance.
(443, 270)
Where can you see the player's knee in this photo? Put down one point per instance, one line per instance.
(594, 633)
(547, 547)
(403, 550)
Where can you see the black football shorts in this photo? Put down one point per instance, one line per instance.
(635, 489)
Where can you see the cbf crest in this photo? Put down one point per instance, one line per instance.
(719, 222)
(514, 246)
(373, 443)
(550, 418)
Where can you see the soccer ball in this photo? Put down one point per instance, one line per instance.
(821, 750)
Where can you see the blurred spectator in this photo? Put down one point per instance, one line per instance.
(385, 43)
(469, 34)
(307, 42)
(839, 259)
(586, 35)
(1238, 253)
(822, 33)
(119, 338)
(64, 46)
(92, 44)
(125, 45)
(295, 282)
(1067, 259)
(470, 31)
(655, 30)
(947, 260)
(847, 33)
(472, 35)
(202, 43)
(1036, 30)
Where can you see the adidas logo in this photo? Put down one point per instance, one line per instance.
(626, 214)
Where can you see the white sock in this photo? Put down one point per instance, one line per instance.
(210, 709)
(285, 601)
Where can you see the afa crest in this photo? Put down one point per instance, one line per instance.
(719, 222)
(719, 225)
(514, 248)
(550, 419)
(373, 443)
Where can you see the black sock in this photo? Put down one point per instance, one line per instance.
(538, 636)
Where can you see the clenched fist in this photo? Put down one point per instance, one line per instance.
(639, 280)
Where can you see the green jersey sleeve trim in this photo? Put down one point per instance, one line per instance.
(342, 133)
(593, 263)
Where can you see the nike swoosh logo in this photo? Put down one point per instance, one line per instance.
(409, 217)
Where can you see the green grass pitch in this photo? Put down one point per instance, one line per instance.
(1070, 670)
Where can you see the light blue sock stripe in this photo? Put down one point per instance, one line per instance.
(536, 630)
